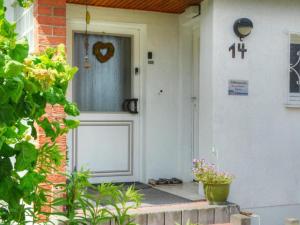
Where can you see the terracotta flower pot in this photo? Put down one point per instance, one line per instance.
(216, 194)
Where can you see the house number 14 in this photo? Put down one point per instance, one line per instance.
(241, 48)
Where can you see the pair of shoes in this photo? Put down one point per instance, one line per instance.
(160, 181)
(164, 181)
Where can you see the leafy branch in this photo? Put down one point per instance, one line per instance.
(29, 83)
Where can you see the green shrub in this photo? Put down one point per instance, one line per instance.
(27, 84)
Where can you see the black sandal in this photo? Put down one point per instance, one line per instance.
(152, 182)
(176, 181)
(163, 181)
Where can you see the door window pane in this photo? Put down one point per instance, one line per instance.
(104, 86)
(294, 63)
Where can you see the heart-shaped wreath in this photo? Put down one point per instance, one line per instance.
(98, 49)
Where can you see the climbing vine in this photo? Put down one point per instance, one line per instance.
(28, 83)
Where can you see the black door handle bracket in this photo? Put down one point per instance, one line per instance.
(131, 105)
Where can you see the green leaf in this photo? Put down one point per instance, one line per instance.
(7, 151)
(16, 208)
(2, 63)
(8, 190)
(47, 127)
(3, 96)
(11, 133)
(1, 4)
(26, 157)
(7, 115)
(60, 67)
(13, 68)
(26, 107)
(40, 101)
(55, 96)
(30, 181)
(2, 140)
(2, 11)
(2, 59)
(4, 214)
(30, 86)
(6, 185)
(7, 29)
(71, 109)
(22, 128)
(5, 168)
(71, 124)
(54, 153)
(20, 52)
(71, 71)
(14, 88)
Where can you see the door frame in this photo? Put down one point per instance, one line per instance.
(196, 89)
(115, 28)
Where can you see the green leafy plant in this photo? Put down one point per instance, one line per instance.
(73, 193)
(118, 201)
(94, 211)
(28, 83)
(208, 174)
(100, 204)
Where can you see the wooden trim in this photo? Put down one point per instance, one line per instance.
(166, 6)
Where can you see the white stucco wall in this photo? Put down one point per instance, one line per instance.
(205, 79)
(160, 119)
(256, 136)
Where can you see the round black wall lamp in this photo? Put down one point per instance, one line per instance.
(243, 27)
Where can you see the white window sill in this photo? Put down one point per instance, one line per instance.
(292, 105)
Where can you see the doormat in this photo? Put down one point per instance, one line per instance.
(151, 195)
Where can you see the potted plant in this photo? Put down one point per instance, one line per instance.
(216, 184)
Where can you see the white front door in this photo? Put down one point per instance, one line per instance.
(107, 140)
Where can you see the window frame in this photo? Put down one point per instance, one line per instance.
(73, 86)
(293, 99)
(25, 26)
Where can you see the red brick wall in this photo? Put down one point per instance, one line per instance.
(50, 24)
(50, 30)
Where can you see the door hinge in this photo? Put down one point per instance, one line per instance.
(136, 70)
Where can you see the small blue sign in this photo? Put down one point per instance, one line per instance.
(238, 87)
